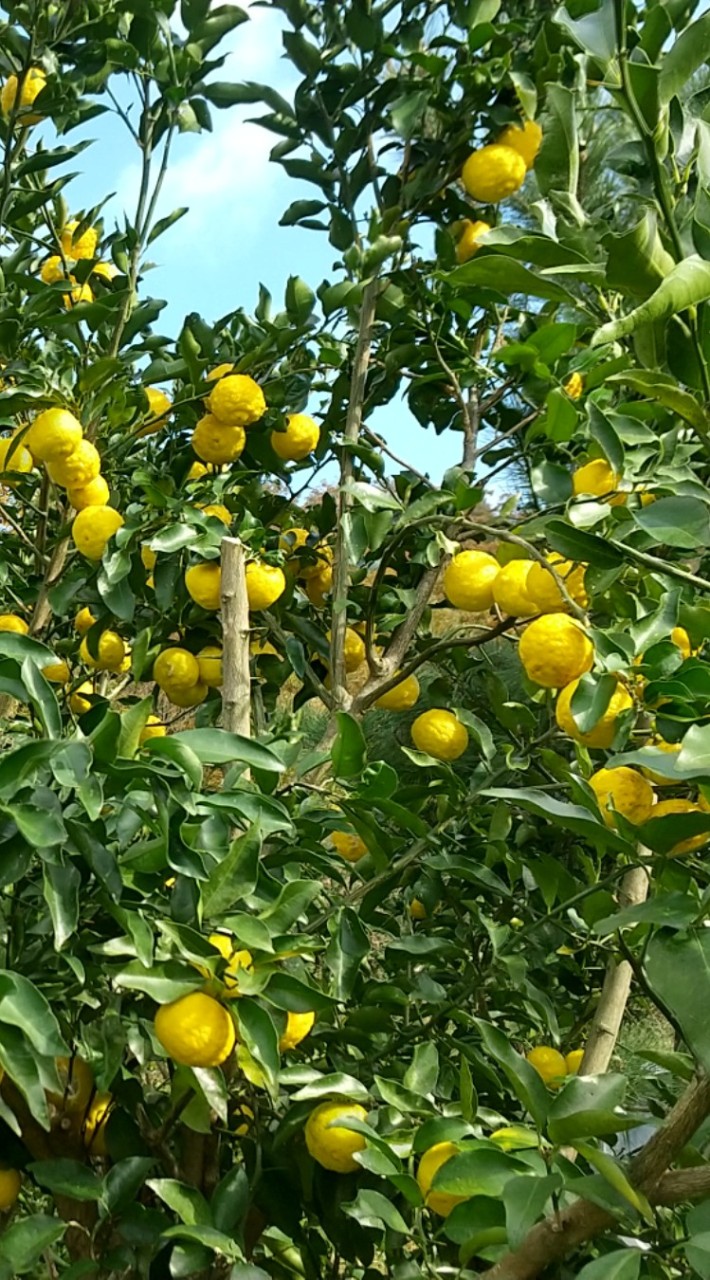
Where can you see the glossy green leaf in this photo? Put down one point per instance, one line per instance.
(677, 522)
(526, 1201)
(687, 285)
(372, 1209)
(522, 1078)
(588, 1107)
(349, 751)
(235, 877)
(217, 746)
(622, 1264)
(669, 958)
(67, 1178)
(684, 57)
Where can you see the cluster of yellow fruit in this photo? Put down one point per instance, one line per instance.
(186, 677)
(491, 174)
(19, 93)
(475, 581)
(265, 584)
(236, 403)
(76, 248)
(625, 791)
(317, 577)
(552, 1066)
(79, 1102)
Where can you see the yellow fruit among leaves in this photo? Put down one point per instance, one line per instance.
(623, 791)
(12, 622)
(159, 405)
(79, 293)
(349, 845)
(92, 529)
(549, 1064)
(543, 589)
(402, 697)
(195, 1030)
(209, 660)
(469, 580)
(439, 733)
(20, 98)
(10, 1185)
(265, 584)
(510, 589)
(604, 731)
(525, 139)
(84, 620)
(54, 434)
(218, 512)
(76, 1081)
(468, 241)
(298, 440)
(298, 1026)
(441, 1202)
(681, 639)
(14, 456)
(176, 669)
(668, 808)
(94, 1126)
(79, 468)
(332, 1146)
(353, 650)
(79, 700)
(237, 960)
(574, 386)
(597, 479)
(555, 650)
(94, 494)
(417, 910)
(573, 1061)
(492, 173)
(215, 442)
(109, 652)
(184, 698)
(78, 246)
(57, 672)
(204, 584)
(153, 728)
(237, 401)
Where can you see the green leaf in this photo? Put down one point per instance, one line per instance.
(164, 223)
(372, 1209)
(62, 882)
(217, 746)
(349, 751)
(236, 875)
(684, 57)
(622, 1264)
(338, 1083)
(24, 1243)
(288, 992)
(258, 1033)
(595, 33)
(230, 1200)
(615, 1176)
(677, 522)
(300, 299)
(637, 261)
(572, 817)
(43, 697)
(483, 1171)
(582, 547)
(187, 1202)
(345, 952)
(506, 277)
(687, 285)
(67, 1178)
(23, 1006)
(669, 959)
(162, 982)
(523, 1079)
(133, 722)
(588, 1107)
(422, 1074)
(124, 1180)
(525, 1201)
(663, 388)
(301, 209)
(697, 1251)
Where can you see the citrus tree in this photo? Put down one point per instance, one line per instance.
(340, 825)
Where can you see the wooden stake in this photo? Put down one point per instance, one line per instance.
(236, 688)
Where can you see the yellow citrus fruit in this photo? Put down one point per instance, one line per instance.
(574, 386)
(492, 173)
(14, 456)
(291, 539)
(555, 650)
(664, 808)
(94, 1127)
(349, 845)
(10, 1184)
(195, 1030)
(215, 442)
(417, 910)
(623, 791)
(105, 271)
(159, 405)
(197, 471)
(323, 562)
(549, 1064)
(543, 589)
(510, 589)
(236, 960)
(244, 1110)
(597, 479)
(681, 639)
(219, 512)
(84, 620)
(92, 529)
(332, 1146)
(468, 241)
(468, 580)
(153, 728)
(177, 669)
(298, 440)
(52, 270)
(298, 1026)
(79, 700)
(79, 293)
(671, 748)
(57, 672)
(209, 660)
(319, 586)
(402, 697)
(604, 731)
(204, 583)
(237, 401)
(219, 371)
(265, 584)
(83, 246)
(526, 140)
(148, 557)
(32, 86)
(78, 469)
(354, 649)
(440, 734)
(441, 1202)
(12, 622)
(573, 1061)
(54, 434)
(184, 698)
(110, 652)
(76, 1080)
(93, 494)
(263, 648)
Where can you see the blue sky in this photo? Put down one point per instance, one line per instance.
(229, 242)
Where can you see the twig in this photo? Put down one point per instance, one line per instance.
(236, 689)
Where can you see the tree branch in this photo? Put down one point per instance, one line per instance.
(236, 689)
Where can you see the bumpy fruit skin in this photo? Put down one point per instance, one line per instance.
(492, 173)
(10, 1184)
(84, 620)
(11, 622)
(554, 650)
(94, 494)
(110, 652)
(298, 1026)
(549, 1064)
(209, 660)
(441, 1202)
(469, 579)
(544, 591)
(331, 1146)
(574, 386)
(78, 469)
(153, 728)
(195, 1030)
(196, 472)
(526, 140)
(298, 440)
(573, 1061)
(54, 434)
(176, 668)
(664, 808)
(219, 371)
(469, 239)
(510, 589)
(79, 293)
(204, 584)
(159, 405)
(14, 456)
(440, 734)
(681, 639)
(32, 86)
(265, 584)
(290, 540)
(321, 564)
(215, 442)
(598, 480)
(349, 845)
(402, 697)
(52, 270)
(78, 247)
(92, 529)
(604, 731)
(237, 401)
(57, 672)
(623, 791)
(191, 697)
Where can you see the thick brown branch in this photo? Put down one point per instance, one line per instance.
(236, 689)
